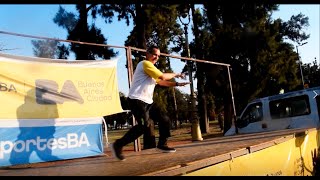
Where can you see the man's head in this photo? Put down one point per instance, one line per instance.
(153, 54)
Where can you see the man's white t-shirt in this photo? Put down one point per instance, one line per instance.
(144, 81)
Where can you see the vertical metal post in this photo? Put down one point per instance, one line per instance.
(232, 98)
(129, 65)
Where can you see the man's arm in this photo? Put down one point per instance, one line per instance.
(168, 76)
(155, 73)
(170, 83)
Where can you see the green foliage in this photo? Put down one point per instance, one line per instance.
(311, 73)
(79, 30)
(245, 37)
(293, 28)
(240, 34)
(44, 48)
(154, 24)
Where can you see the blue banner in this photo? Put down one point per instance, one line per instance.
(28, 143)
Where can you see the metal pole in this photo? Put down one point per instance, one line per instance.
(195, 127)
(233, 104)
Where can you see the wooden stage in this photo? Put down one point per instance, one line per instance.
(189, 157)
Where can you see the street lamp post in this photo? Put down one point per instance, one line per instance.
(195, 127)
(300, 62)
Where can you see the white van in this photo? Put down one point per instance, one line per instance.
(297, 109)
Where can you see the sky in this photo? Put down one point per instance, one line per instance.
(37, 20)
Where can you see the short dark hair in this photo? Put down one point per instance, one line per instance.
(150, 48)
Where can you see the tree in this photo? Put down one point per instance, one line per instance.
(244, 36)
(79, 30)
(311, 73)
(136, 12)
(200, 74)
(49, 49)
(147, 31)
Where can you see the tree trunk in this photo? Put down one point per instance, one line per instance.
(202, 103)
(175, 124)
(140, 24)
(83, 50)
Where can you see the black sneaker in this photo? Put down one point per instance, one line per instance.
(166, 149)
(117, 152)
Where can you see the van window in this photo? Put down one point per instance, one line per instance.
(289, 107)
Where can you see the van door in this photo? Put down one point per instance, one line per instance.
(251, 118)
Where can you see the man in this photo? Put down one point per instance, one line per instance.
(140, 99)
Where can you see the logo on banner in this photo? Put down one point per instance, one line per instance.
(72, 140)
(47, 92)
(7, 87)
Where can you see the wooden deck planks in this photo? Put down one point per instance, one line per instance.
(189, 157)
